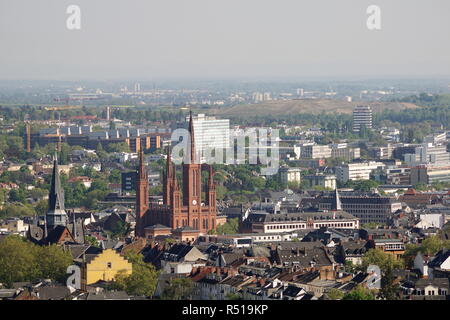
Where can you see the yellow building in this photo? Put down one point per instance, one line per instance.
(104, 266)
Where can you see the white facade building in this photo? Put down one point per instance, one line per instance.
(210, 133)
(357, 171)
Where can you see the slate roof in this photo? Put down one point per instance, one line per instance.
(307, 277)
(304, 257)
(292, 291)
(438, 282)
(439, 259)
(177, 252)
(229, 258)
(55, 234)
(52, 292)
(234, 281)
(77, 250)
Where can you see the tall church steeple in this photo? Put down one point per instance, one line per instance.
(211, 191)
(191, 173)
(142, 204)
(192, 139)
(56, 213)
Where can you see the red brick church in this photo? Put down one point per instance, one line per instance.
(181, 208)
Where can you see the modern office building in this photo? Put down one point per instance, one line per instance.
(429, 174)
(343, 151)
(429, 153)
(357, 171)
(362, 116)
(210, 133)
(313, 151)
(260, 221)
(368, 207)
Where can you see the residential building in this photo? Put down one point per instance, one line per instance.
(320, 180)
(103, 266)
(289, 174)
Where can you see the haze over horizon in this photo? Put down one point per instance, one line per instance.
(223, 39)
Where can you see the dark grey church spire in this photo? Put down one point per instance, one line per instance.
(56, 214)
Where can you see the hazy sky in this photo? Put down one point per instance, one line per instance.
(148, 39)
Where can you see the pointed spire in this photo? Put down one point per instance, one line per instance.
(56, 196)
(336, 205)
(142, 173)
(56, 213)
(192, 140)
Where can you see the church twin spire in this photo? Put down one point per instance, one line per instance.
(192, 139)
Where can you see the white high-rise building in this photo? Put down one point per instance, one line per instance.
(210, 133)
(362, 116)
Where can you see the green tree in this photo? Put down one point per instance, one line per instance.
(53, 262)
(335, 294)
(118, 147)
(178, 289)
(233, 296)
(41, 207)
(17, 195)
(384, 260)
(21, 260)
(359, 293)
(230, 227)
(387, 263)
(429, 246)
(101, 153)
(142, 281)
(17, 261)
(92, 241)
(17, 210)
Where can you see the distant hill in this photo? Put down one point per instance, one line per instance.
(289, 107)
